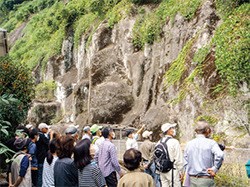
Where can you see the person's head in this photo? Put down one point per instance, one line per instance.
(147, 135)
(52, 150)
(43, 127)
(108, 132)
(132, 159)
(33, 135)
(23, 130)
(82, 155)
(65, 146)
(21, 144)
(130, 133)
(72, 131)
(202, 127)
(86, 129)
(56, 134)
(96, 130)
(169, 129)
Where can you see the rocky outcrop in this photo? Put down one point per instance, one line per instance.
(113, 83)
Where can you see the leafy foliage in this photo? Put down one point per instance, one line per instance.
(46, 89)
(16, 79)
(149, 27)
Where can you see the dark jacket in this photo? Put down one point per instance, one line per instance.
(42, 146)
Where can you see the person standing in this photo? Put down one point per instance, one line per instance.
(131, 141)
(106, 158)
(89, 175)
(65, 172)
(147, 149)
(49, 163)
(20, 171)
(96, 132)
(203, 157)
(135, 178)
(42, 148)
(175, 155)
(32, 151)
(87, 132)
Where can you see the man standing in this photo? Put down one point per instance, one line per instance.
(87, 133)
(20, 173)
(107, 160)
(73, 131)
(175, 155)
(96, 132)
(131, 141)
(203, 157)
(147, 149)
(42, 148)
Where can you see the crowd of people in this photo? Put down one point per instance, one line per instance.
(47, 158)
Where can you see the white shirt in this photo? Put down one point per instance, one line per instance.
(175, 153)
(99, 141)
(131, 143)
(86, 136)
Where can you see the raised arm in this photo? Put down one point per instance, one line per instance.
(140, 130)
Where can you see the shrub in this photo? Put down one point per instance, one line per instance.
(16, 79)
(46, 89)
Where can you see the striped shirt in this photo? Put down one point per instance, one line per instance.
(48, 172)
(91, 176)
(106, 159)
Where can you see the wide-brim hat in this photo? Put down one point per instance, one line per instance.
(43, 125)
(165, 127)
(146, 134)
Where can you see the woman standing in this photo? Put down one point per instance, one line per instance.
(48, 166)
(65, 173)
(89, 175)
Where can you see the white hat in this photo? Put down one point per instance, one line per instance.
(43, 125)
(165, 127)
(146, 134)
(29, 126)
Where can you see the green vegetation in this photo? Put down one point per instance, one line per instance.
(46, 89)
(149, 27)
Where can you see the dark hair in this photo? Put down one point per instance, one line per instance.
(106, 131)
(82, 155)
(32, 133)
(55, 134)
(25, 130)
(94, 133)
(52, 149)
(132, 159)
(65, 146)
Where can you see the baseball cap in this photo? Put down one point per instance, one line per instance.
(86, 128)
(146, 134)
(72, 129)
(165, 127)
(95, 128)
(129, 132)
(43, 125)
(20, 143)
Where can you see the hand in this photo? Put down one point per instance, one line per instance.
(145, 166)
(121, 175)
(181, 177)
(210, 171)
(51, 132)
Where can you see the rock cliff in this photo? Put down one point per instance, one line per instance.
(110, 81)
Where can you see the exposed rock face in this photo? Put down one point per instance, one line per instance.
(112, 83)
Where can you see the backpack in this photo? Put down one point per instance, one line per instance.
(162, 160)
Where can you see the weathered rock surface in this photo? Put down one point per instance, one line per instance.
(113, 83)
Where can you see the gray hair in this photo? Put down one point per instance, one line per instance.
(202, 126)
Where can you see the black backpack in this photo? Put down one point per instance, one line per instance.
(162, 161)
